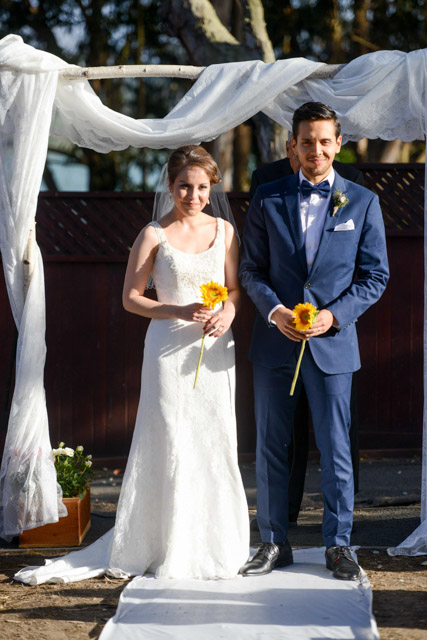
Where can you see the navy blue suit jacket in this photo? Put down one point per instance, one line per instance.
(348, 275)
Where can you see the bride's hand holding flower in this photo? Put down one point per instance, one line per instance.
(214, 293)
(219, 323)
(195, 312)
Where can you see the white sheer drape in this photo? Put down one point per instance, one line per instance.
(29, 492)
(379, 95)
(416, 542)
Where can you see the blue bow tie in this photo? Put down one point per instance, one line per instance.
(323, 188)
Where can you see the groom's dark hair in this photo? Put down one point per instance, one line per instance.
(311, 111)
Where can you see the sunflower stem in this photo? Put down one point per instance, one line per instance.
(200, 360)
(294, 381)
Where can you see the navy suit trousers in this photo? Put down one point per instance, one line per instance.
(329, 400)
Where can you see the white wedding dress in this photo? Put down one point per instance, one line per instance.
(182, 511)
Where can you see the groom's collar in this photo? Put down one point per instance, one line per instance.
(330, 177)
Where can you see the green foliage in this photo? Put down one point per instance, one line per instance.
(347, 154)
(73, 470)
(336, 31)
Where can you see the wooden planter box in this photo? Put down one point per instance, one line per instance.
(67, 532)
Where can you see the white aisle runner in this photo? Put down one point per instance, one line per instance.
(301, 602)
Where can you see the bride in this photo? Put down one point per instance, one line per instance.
(182, 511)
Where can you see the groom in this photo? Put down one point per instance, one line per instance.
(311, 237)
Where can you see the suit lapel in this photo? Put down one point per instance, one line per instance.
(329, 225)
(292, 203)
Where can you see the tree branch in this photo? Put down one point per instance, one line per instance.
(161, 71)
(132, 71)
(205, 38)
(255, 30)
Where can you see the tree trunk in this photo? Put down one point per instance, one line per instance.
(103, 171)
(362, 150)
(49, 179)
(241, 151)
(336, 54)
(360, 34)
(222, 150)
(224, 31)
(391, 151)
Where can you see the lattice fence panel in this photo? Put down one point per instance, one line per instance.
(104, 225)
(400, 188)
(97, 225)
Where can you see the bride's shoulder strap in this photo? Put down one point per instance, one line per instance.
(220, 226)
(159, 230)
(220, 230)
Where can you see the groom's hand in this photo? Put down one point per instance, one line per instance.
(324, 321)
(284, 318)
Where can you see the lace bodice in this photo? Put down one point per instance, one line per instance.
(178, 275)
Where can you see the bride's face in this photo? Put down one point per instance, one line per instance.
(190, 191)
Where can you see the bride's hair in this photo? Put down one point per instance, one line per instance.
(192, 156)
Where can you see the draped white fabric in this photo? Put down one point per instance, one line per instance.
(29, 492)
(379, 95)
(416, 543)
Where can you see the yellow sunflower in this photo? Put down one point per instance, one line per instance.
(305, 315)
(213, 293)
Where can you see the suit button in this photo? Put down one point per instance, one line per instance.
(307, 285)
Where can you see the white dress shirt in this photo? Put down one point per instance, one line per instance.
(313, 210)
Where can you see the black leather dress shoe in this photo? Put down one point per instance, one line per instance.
(340, 561)
(268, 557)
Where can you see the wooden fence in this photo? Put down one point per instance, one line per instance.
(95, 348)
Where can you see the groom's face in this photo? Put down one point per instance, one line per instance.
(316, 146)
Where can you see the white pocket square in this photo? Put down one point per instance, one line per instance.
(345, 226)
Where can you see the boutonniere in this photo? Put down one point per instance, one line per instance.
(340, 200)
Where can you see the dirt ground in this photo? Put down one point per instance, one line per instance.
(386, 511)
(399, 586)
(80, 610)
